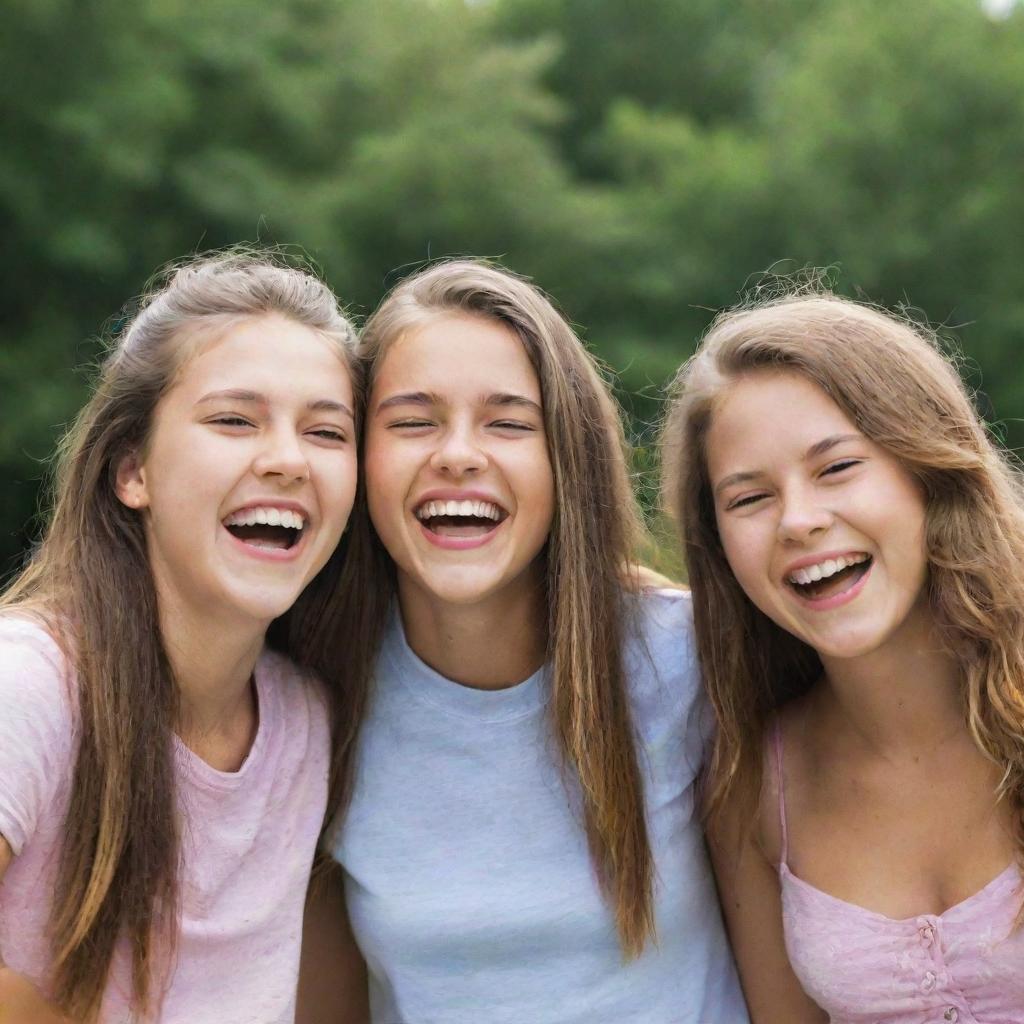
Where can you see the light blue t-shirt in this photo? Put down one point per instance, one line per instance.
(469, 884)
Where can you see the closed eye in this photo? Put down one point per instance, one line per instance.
(335, 434)
(838, 467)
(231, 421)
(513, 425)
(409, 424)
(745, 501)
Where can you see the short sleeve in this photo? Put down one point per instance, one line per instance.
(36, 728)
(666, 680)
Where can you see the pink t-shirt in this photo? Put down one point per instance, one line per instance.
(964, 966)
(248, 839)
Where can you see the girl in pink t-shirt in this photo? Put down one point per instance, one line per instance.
(163, 775)
(854, 540)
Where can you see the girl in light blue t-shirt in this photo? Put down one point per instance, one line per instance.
(521, 843)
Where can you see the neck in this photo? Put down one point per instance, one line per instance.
(902, 698)
(488, 645)
(213, 663)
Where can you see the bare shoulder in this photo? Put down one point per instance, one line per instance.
(748, 885)
(788, 755)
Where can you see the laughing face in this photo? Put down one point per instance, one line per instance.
(823, 529)
(459, 481)
(249, 473)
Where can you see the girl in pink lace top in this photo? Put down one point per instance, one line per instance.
(853, 539)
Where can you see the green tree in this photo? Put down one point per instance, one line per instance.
(640, 160)
(375, 135)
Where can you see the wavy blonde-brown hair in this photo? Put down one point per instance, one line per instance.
(593, 536)
(90, 583)
(891, 377)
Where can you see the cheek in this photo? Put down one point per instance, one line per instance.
(745, 552)
(915, 546)
(387, 484)
(540, 475)
(381, 469)
(343, 479)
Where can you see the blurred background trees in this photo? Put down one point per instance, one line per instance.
(643, 160)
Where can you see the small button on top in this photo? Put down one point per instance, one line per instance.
(951, 1014)
(927, 934)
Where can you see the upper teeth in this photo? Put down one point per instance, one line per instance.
(822, 570)
(480, 509)
(266, 517)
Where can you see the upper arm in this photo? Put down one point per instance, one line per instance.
(748, 886)
(34, 737)
(332, 973)
(6, 856)
(34, 734)
(36, 730)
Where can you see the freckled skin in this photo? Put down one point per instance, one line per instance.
(853, 497)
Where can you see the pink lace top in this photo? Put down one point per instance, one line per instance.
(964, 965)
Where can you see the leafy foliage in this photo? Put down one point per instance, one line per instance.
(642, 161)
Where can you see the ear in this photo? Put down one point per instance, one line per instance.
(130, 481)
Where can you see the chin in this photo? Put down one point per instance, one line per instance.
(266, 606)
(461, 587)
(458, 593)
(848, 647)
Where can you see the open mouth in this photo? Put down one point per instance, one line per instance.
(465, 519)
(267, 528)
(830, 577)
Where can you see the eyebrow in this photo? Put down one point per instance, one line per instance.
(501, 398)
(828, 443)
(508, 398)
(255, 398)
(816, 450)
(410, 398)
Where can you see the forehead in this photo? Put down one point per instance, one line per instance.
(270, 352)
(457, 355)
(767, 415)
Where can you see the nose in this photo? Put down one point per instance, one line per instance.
(458, 452)
(282, 456)
(802, 514)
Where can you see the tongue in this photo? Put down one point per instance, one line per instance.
(460, 526)
(261, 536)
(268, 542)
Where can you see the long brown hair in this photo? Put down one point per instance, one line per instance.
(892, 379)
(90, 584)
(594, 534)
